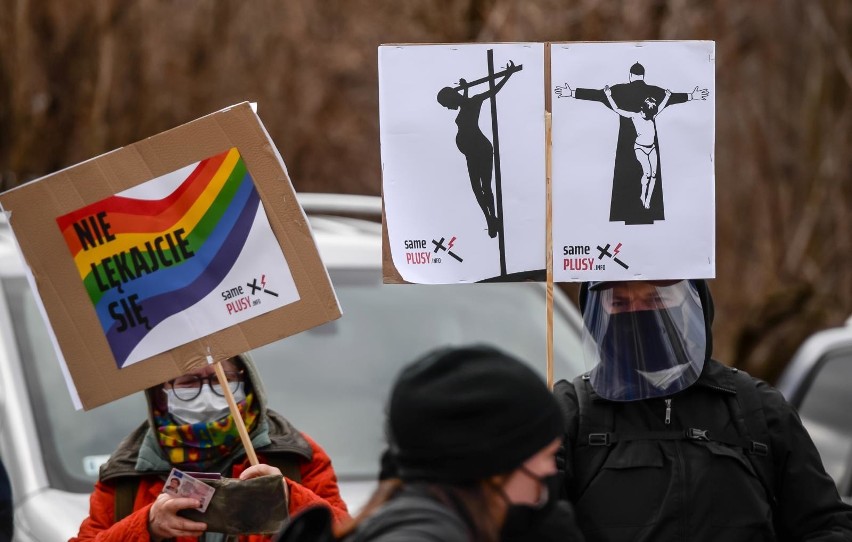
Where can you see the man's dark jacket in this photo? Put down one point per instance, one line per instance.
(646, 489)
(6, 508)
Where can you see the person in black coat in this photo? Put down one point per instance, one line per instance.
(473, 435)
(6, 507)
(664, 443)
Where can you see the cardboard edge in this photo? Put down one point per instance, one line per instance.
(222, 344)
(390, 274)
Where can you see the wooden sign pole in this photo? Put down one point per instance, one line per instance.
(235, 412)
(549, 228)
(549, 212)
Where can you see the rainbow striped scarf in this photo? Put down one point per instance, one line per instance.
(199, 446)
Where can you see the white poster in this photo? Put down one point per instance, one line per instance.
(191, 250)
(633, 178)
(463, 160)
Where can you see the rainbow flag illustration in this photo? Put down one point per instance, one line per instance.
(143, 261)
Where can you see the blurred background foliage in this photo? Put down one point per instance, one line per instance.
(84, 77)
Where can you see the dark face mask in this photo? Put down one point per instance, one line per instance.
(524, 521)
(643, 338)
(646, 340)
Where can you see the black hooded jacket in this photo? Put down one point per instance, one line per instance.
(6, 509)
(734, 463)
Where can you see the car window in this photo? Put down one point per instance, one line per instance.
(825, 411)
(74, 443)
(331, 382)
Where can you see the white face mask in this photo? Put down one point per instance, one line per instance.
(207, 407)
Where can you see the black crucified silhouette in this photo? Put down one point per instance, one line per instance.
(637, 184)
(480, 154)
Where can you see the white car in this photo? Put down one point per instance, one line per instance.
(331, 381)
(818, 382)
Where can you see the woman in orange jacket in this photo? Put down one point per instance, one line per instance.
(189, 427)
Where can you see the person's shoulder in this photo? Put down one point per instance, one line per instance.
(415, 517)
(317, 451)
(563, 384)
(279, 424)
(124, 458)
(768, 393)
(565, 394)
(771, 399)
(565, 390)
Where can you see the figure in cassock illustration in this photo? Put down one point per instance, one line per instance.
(473, 144)
(645, 145)
(637, 184)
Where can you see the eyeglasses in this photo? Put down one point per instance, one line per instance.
(188, 387)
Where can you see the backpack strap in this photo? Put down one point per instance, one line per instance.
(748, 415)
(126, 488)
(690, 433)
(596, 436)
(595, 419)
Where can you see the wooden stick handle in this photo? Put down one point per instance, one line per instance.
(549, 249)
(235, 413)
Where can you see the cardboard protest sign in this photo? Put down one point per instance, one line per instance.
(151, 258)
(633, 152)
(177, 242)
(463, 161)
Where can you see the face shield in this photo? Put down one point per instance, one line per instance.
(643, 339)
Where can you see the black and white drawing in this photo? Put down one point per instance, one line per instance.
(633, 182)
(462, 131)
(481, 156)
(637, 187)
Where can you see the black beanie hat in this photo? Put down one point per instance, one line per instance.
(464, 414)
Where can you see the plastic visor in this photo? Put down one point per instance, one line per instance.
(643, 339)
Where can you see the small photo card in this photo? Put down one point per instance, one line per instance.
(181, 484)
